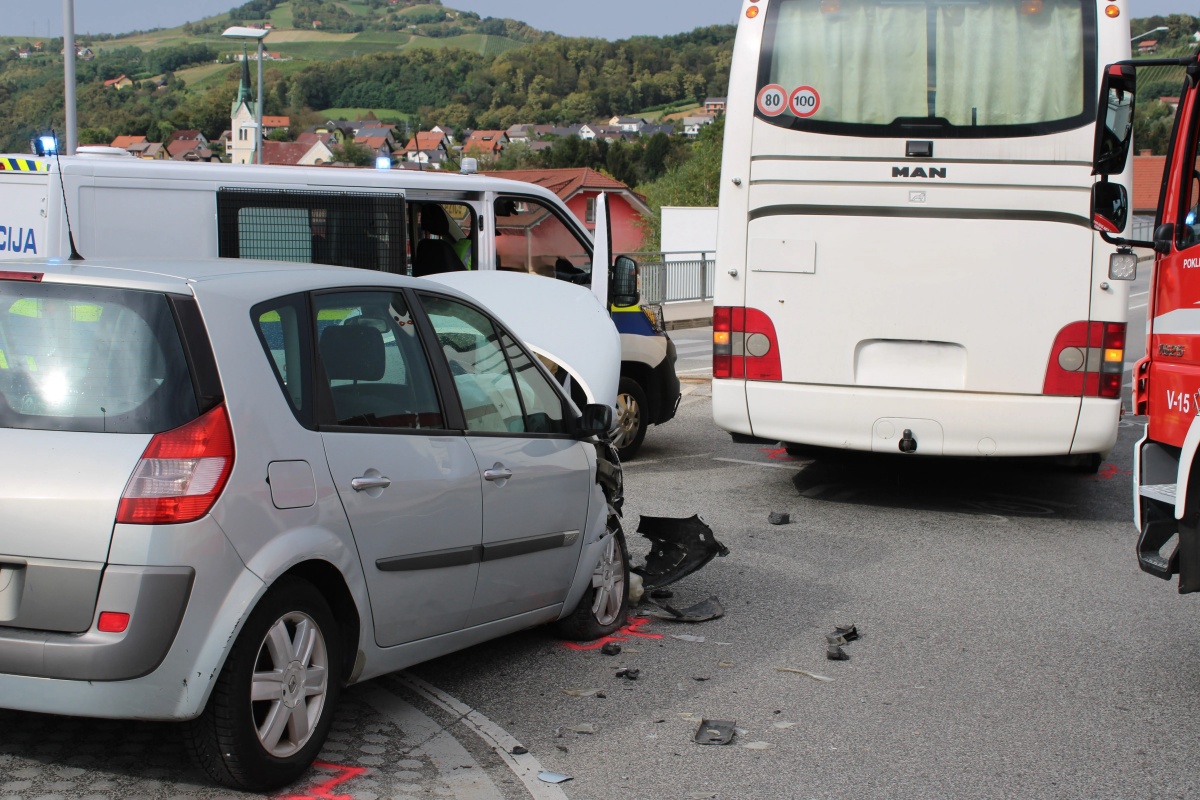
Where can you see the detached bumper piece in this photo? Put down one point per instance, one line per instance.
(679, 547)
(1159, 526)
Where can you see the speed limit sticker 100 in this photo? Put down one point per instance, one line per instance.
(804, 101)
(772, 100)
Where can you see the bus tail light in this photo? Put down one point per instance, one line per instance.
(1087, 360)
(745, 345)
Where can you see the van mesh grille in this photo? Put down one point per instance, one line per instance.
(346, 229)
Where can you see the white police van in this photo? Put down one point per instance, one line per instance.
(398, 221)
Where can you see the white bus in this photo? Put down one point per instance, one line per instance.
(906, 259)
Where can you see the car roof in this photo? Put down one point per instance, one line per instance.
(181, 274)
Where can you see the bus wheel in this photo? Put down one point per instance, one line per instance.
(632, 413)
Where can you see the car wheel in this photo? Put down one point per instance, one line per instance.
(273, 702)
(605, 603)
(632, 418)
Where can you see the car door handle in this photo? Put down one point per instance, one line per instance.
(362, 484)
(497, 473)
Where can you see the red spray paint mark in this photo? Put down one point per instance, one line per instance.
(632, 629)
(1107, 472)
(777, 454)
(324, 791)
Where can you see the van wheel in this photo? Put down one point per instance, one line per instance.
(273, 702)
(605, 604)
(632, 418)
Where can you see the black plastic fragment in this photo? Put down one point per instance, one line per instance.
(629, 673)
(836, 653)
(662, 594)
(679, 547)
(779, 518)
(611, 649)
(715, 731)
(848, 632)
(701, 612)
(518, 750)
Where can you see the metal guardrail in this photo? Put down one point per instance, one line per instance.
(675, 277)
(1142, 229)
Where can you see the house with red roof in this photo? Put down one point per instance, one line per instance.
(579, 188)
(427, 148)
(1147, 182)
(485, 145)
(297, 154)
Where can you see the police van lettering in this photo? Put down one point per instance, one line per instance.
(17, 240)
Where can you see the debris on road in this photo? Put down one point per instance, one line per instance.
(662, 594)
(805, 673)
(779, 518)
(687, 637)
(847, 632)
(836, 653)
(701, 612)
(679, 547)
(554, 777)
(519, 750)
(629, 673)
(715, 731)
(580, 692)
(636, 591)
(783, 726)
(758, 746)
(583, 728)
(611, 649)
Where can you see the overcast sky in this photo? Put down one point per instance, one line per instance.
(611, 19)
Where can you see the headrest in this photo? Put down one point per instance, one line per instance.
(352, 353)
(433, 220)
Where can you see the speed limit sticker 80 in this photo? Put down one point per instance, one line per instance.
(772, 100)
(804, 101)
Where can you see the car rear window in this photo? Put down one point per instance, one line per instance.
(81, 358)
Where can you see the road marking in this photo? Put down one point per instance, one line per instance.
(640, 462)
(525, 766)
(1139, 294)
(698, 369)
(793, 466)
(450, 757)
(1137, 305)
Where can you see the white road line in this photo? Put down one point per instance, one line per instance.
(792, 466)
(1137, 305)
(687, 371)
(457, 768)
(526, 767)
(1139, 294)
(640, 462)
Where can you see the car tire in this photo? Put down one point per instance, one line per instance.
(291, 632)
(605, 603)
(633, 417)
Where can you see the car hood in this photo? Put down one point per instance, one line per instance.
(559, 321)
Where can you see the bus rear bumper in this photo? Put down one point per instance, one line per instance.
(961, 424)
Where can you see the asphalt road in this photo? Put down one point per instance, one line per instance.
(1010, 648)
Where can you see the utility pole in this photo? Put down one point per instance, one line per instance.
(69, 73)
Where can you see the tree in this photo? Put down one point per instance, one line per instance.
(353, 153)
(695, 182)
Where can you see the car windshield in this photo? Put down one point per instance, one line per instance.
(839, 63)
(83, 358)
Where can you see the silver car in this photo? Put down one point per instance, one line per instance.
(230, 488)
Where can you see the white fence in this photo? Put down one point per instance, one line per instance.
(675, 277)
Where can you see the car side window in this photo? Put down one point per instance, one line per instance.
(374, 365)
(282, 326)
(543, 405)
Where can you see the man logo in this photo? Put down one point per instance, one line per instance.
(919, 172)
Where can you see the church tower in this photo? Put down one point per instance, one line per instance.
(241, 120)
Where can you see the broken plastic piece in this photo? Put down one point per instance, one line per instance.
(779, 518)
(836, 653)
(662, 594)
(678, 548)
(611, 649)
(554, 777)
(805, 673)
(715, 731)
(701, 612)
(847, 632)
(629, 673)
(635, 589)
(583, 727)
(580, 692)
(519, 750)
(687, 637)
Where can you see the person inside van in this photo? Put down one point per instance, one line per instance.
(438, 251)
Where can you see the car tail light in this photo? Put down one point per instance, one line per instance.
(745, 345)
(181, 474)
(1087, 360)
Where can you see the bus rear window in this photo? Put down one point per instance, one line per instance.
(965, 68)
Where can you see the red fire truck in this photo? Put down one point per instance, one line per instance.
(1166, 384)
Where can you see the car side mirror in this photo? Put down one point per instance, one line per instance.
(1114, 129)
(596, 420)
(1110, 207)
(624, 283)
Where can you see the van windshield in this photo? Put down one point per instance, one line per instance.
(957, 68)
(81, 358)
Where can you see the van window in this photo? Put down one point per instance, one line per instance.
(82, 358)
(346, 229)
(530, 237)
